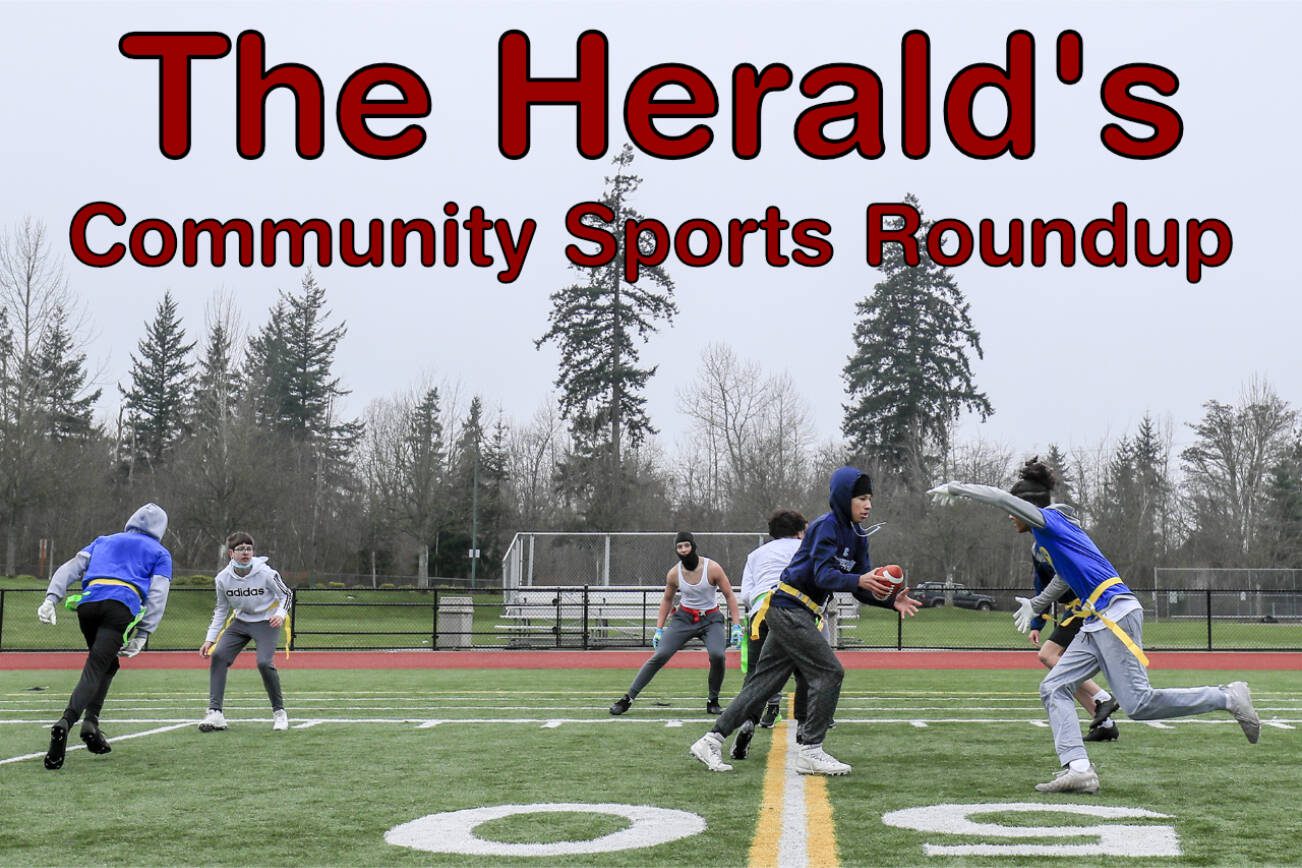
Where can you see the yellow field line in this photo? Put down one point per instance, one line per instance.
(768, 826)
(820, 834)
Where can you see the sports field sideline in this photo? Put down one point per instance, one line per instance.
(380, 761)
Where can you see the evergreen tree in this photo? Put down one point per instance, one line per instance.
(909, 377)
(156, 402)
(597, 325)
(419, 477)
(61, 375)
(291, 358)
(217, 386)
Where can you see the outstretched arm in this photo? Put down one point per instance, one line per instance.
(1011, 504)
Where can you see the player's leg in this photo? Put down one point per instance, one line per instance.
(220, 657)
(716, 643)
(102, 623)
(770, 672)
(1098, 703)
(265, 636)
(1129, 680)
(678, 629)
(1078, 663)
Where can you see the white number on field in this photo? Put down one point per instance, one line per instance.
(454, 831)
(1113, 839)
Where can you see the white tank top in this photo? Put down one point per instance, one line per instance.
(699, 595)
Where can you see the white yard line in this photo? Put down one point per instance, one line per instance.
(114, 740)
(793, 843)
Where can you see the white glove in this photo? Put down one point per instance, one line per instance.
(941, 494)
(1022, 617)
(46, 613)
(134, 647)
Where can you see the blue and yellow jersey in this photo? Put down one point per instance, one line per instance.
(1075, 558)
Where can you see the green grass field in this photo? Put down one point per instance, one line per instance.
(362, 759)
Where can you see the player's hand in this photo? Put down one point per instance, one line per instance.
(206, 648)
(735, 640)
(1035, 638)
(906, 605)
(45, 612)
(940, 494)
(276, 620)
(1022, 617)
(873, 582)
(656, 637)
(135, 646)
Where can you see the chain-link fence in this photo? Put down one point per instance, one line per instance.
(576, 617)
(613, 559)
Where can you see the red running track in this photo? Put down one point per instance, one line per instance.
(692, 659)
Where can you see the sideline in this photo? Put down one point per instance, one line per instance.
(1288, 661)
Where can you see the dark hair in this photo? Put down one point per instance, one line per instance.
(1035, 482)
(786, 523)
(238, 538)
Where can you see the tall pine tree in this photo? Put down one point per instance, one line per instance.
(597, 325)
(910, 376)
(61, 373)
(155, 404)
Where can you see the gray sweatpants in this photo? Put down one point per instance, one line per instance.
(1101, 649)
(794, 644)
(679, 629)
(229, 646)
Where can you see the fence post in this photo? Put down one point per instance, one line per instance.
(899, 630)
(293, 617)
(605, 564)
(585, 617)
(434, 634)
(557, 629)
(1209, 619)
(2, 619)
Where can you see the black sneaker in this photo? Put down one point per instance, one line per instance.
(770, 715)
(58, 746)
(95, 740)
(713, 707)
(741, 745)
(1103, 733)
(1103, 711)
(621, 705)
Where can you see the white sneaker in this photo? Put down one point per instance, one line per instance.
(279, 720)
(709, 750)
(212, 721)
(1240, 705)
(813, 760)
(1068, 781)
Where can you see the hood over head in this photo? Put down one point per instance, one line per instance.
(844, 482)
(150, 519)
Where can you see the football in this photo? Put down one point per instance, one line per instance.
(892, 573)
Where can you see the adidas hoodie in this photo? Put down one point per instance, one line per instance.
(258, 595)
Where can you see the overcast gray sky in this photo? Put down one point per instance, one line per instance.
(1072, 355)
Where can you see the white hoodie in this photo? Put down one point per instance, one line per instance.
(258, 595)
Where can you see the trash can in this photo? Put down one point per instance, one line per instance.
(456, 620)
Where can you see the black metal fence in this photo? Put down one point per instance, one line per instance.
(624, 617)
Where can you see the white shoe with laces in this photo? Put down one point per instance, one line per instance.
(709, 750)
(813, 760)
(1240, 705)
(1068, 781)
(213, 721)
(279, 720)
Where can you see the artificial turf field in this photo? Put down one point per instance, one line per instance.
(369, 750)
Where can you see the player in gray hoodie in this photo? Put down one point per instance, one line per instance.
(252, 604)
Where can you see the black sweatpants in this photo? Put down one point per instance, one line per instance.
(794, 645)
(753, 652)
(102, 623)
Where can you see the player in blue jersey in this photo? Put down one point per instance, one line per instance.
(832, 556)
(124, 578)
(1111, 633)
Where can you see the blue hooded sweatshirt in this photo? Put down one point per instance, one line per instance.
(834, 552)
